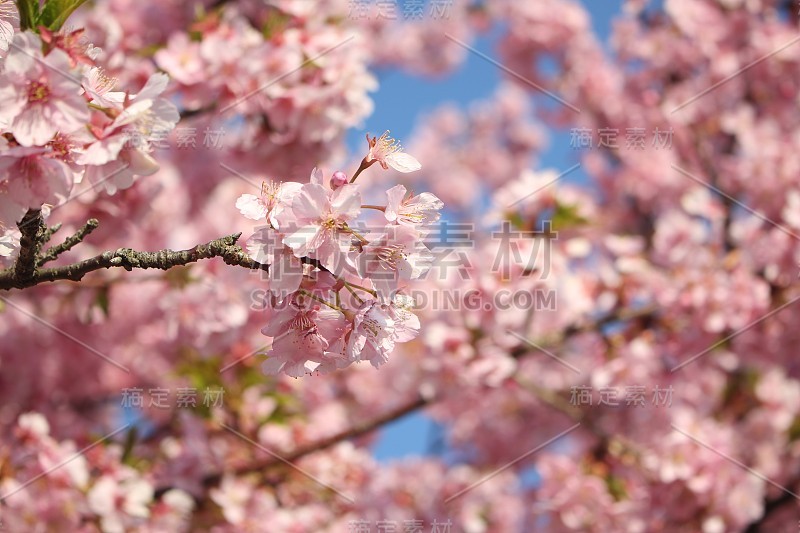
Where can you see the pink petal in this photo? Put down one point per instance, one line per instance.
(316, 176)
(402, 162)
(33, 126)
(140, 162)
(102, 151)
(346, 201)
(12, 101)
(27, 49)
(251, 207)
(304, 240)
(263, 245)
(273, 366)
(155, 85)
(311, 203)
(285, 276)
(395, 197)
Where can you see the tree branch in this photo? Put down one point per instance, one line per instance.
(54, 251)
(770, 506)
(25, 274)
(50, 232)
(33, 232)
(354, 431)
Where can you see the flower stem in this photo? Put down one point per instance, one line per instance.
(370, 291)
(361, 168)
(358, 236)
(355, 295)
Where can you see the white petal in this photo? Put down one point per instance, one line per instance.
(402, 162)
(251, 206)
(155, 85)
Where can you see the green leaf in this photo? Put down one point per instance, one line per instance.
(180, 276)
(101, 300)
(28, 13)
(56, 12)
(616, 487)
(566, 216)
(130, 442)
(276, 22)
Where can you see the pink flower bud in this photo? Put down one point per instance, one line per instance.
(338, 179)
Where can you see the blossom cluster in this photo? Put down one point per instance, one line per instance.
(651, 269)
(62, 122)
(337, 291)
(56, 485)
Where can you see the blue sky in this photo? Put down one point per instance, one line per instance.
(477, 79)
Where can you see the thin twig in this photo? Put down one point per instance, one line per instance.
(54, 251)
(49, 232)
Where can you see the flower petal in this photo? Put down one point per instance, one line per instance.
(251, 207)
(403, 162)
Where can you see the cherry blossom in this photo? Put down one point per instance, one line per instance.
(286, 271)
(31, 177)
(525, 347)
(318, 222)
(274, 199)
(405, 208)
(397, 256)
(298, 345)
(389, 153)
(39, 95)
(9, 24)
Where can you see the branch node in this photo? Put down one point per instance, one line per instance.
(33, 231)
(54, 251)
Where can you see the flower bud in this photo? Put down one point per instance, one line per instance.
(338, 179)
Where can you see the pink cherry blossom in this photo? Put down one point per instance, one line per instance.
(99, 87)
(376, 329)
(298, 345)
(398, 255)
(123, 146)
(320, 219)
(181, 59)
(410, 210)
(389, 153)
(286, 271)
(30, 177)
(650, 256)
(39, 95)
(117, 501)
(9, 23)
(275, 198)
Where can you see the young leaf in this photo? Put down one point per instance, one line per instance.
(28, 13)
(56, 12)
